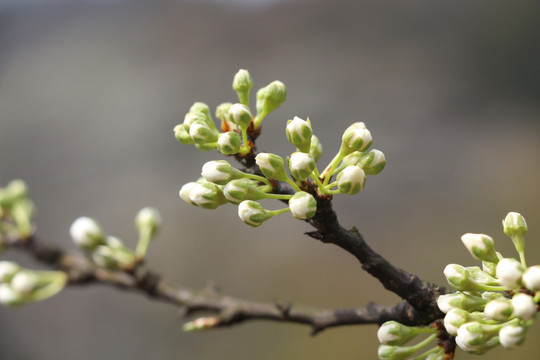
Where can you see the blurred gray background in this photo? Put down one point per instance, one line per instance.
(91, 90)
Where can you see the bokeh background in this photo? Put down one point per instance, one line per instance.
(91, 90)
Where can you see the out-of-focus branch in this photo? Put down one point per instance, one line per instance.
(225, 310)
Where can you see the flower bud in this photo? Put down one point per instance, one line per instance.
(303, 205)
(272, 166)
(299, 134)
(148, 218)
(372, 162)
(524, 306)
(454, 319)
(240, 115)
(239, 190)
(192, 117)
(218, 172)
(460, 300)
(24, 282)
(394, 333)
(499, 309)
(202, 108)
(352, 159)
(271, 97)
(252, 213)
(242, 84)
(473, 336)
(222, 111)
(357, 137)
(16, 189)
(480, 246)
(181, 133)
(86, 233)
(201, 133)
(207, 195)
(315, 149)
(10, 297)
(509, 272)
(531, 278)
(301, 165)
(514, 225)
(229, 143)
(186, 190)
(511, 336)
(388, 352)
(351, 180)
(202, 323)
(7, 270)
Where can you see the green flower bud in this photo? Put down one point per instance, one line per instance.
(239, 190)
(481, 247)
(201, 133)
(461, 300)
(315, 149)
(272, 166)
(192, 117)
(524, 306)
(454, 319)
(7, 270)
(303, 205)
(202, 108)
(499, 309)
(207, 195)
(112, 259)
(206, 147)
(531, 278)
(10, 297)
(148, 219)
(394, 333)
(509, 273)
(240, 115)
(301, 165)
(24, 282)
(252, 213)
(357, 137)
(271, 97)
(181, 133)
(468, 278)
(16, 189)
(352, 159)
(351, 180)
(299, 134)
(222, 111)
(372, 162)
(219, 172)
(229, 143)
(86, 233)
(514, 225)
(511, 336)
(242, 84)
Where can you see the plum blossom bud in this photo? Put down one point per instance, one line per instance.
(86, 233)
(207, 195)
(357, 137)
(394, 333)
(372, 162)
(202, 108)
(10, 297)
(148, 219)
(252, 213)
(531, 278)
(272, 166)
(301, 165)
(181, 133)
(269, 98)
(514, 225)
(480, 246)
(460, 300)
(219, 172)
(24, 282)
(474, 336)
(509, 272)
(242, 84)
(240, 115)
(192, 117)
(499, 309)
(239, 190)
(299, 134)
(315, 149)
(511, 336)
(7, 270)
(524, 306)
(222, 111)
(351, 180)
(303, 205)
(454, 319)
(201, 133)
(186, 190)
(229, 143)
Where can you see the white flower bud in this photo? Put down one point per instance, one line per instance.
(217, 171)
(511, 336)
(499, 309)
(207, 195)
(24, 282)
(480, 246)
(10, 297)
(271, 97)
(394, 333)
(531, 278)
(454, 319)
(252, 213)
(514, 224)
(201, 133)
(222, 111)
(351, 180)
(242, 84)
(239, 190)
(357, 137)
(200, 107)
(240, 115)
(229, 143)
(473, 336)
(509, 272)
(460, 300)
(372, 162)
(301, 165)
(192, 117)
(186, 190)
(86, 233)
(303, 205)
(299, 133)
(524, 306)
(7, 270)
(148, 217)
(272, 166)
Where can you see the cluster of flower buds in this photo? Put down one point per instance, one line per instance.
(394, 338)
(222, 183)
(496, 304)
(110, 252)
(16, 211)
(19, 286)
